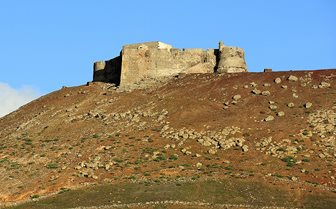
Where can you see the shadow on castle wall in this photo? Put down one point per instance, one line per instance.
(108, 71)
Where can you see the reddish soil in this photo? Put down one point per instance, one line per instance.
(43, 142)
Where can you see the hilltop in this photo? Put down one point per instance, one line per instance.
(269, 138)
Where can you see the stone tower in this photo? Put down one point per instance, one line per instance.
(231, 59)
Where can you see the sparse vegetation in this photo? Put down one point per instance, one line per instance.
(172, 141)
(95, 136)
(160, 157)
(52, 165)
(173, 157)
(289, 160)
(35, 196)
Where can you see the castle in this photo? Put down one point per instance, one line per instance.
(156, 59)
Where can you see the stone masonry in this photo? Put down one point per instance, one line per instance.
(154, 60)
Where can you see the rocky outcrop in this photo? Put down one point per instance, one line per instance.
(155, 60)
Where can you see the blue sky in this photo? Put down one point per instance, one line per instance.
(49, 44)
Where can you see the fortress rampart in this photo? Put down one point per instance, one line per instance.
(156, 59)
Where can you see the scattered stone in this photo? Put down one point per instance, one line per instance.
(284, 86)
(246, 86)
(277, 80)
(273, 107)
(266, 93)
(199, 165)
(294, 178)
(292, 78)
(269, 118)
(185, 136)
(291, 104)
(212, 151)
(271, 102)
(308, 105)
(324, 84)
(295, 95)
(281, 114)
(268, 70)
(253, 84)
(236, 97)
(267, 84)
(207, 143)
(256, 91)
(245, 148)
(67, 95)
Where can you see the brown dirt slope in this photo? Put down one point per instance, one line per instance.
(275, 127)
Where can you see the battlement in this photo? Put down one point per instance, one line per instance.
(157, 59)
(148, 45)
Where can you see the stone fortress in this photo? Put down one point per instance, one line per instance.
(156, 60)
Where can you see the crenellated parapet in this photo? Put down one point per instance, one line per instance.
(156, 59)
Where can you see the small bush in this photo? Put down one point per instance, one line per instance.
(83, 139)
(35, 196)
(173, 157)
(63, 190)
(289, 160)
(160, 158)
(117, 160)
(95, 136)
(14, 165)
(138, 161)
(28, 142)
(148, 150)
(229, 168)
(278, 175)
(52, 165)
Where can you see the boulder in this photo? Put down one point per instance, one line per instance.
(277, 80)
(293, 78)
(269, 118)
(236, 97)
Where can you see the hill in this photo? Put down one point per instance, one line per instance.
(263, 139)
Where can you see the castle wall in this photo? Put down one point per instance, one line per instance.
(139, 63)
(156, 59)
(107, 71)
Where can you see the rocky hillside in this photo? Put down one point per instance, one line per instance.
(274, 127)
